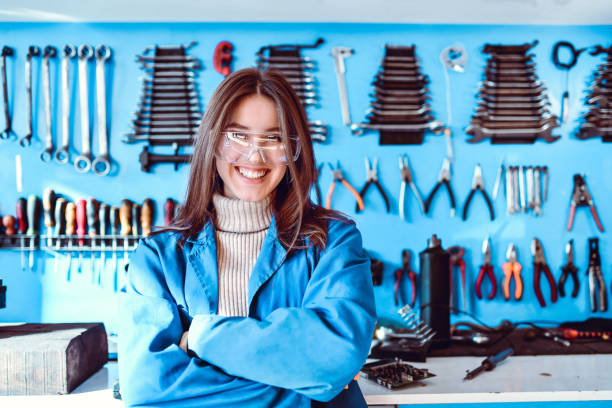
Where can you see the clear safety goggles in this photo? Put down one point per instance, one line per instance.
(239, 146)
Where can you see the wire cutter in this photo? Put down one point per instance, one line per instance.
(477, 184)
(456, 260)
(512, 269)
(407, 179)
(486, 268)
(443, 178)
(539, 265)
(581, 197)
(337, 173)
(569, 269)
(405, 269)
(596, 277)
(372, 178)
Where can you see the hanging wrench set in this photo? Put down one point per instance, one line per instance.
(526, 188)
(169, 110)
(399, 108)
(598, 120)
(513, 106)
(298, 71)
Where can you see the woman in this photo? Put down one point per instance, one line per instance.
(255, 297)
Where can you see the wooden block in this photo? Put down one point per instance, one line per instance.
(43, 359)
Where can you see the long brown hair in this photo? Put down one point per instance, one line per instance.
(300, 223)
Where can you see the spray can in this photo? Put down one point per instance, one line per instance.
(434, 290)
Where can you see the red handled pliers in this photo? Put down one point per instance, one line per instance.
(486, 268)
(581, 197)
(539, 265)
(456, 259)
(405, 269)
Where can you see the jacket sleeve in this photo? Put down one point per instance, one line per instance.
(152, 367)
(315, 349)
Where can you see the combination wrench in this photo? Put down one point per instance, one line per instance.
(339, 54)
(8, 132)
(62, 155)
(83, 162)
(48, 53)
(33, 51)
(101, 165)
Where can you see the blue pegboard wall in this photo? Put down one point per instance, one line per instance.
(45, 294)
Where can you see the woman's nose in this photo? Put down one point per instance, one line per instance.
(256, 156)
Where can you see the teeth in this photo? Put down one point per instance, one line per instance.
(252, 174)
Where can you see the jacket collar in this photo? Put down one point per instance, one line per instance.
(202, 255)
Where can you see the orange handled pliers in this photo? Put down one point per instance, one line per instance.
(337, 173)
(512, 268)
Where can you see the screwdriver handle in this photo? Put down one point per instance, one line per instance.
(81, 219)
(49, 207)
(135, 218)
(103, 216)
(33, 214)
(9, 224)
(22, 220)
(70, 218)
(124, 217)
(169, 211)
(146, 216)
(92, 217)
(114, 220)
(60, 216)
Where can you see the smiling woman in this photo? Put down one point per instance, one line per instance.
(254, 296)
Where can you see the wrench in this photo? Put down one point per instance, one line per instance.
(530, 188)
(101, 165)
(48, 53)
(339, 54)
(8, 132)
(62, 155)
(83, 162)
(522, 188)
(509, 191)
(515, 187)
(33, 51)
(537, 210)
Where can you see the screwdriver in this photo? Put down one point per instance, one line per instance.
(114, 222)
(60, 218)
(103, 216)
(70, 220)
(81, 219)
(49, 207)
(34, 217)
(22, 227)
(146, 216)
(135, 218)
(92, 220)
(489, 363)
(169, 211)
(124, 216)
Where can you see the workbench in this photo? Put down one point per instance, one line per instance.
(517, 379)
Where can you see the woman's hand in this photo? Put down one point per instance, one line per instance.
(183, 342)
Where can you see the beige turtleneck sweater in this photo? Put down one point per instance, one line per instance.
(241, 227)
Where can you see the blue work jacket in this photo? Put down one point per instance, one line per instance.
(308, 332)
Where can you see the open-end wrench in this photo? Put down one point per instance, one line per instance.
(537, 209)
(509, 191)
(101, 165)
(33, 51)
(48, 53)
(522, 188)
(339, 54)
(8, 132)
(515, 187)
(62, 155)
(530, 188)
(83, 162)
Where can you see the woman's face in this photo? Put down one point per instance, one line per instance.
(256, 180)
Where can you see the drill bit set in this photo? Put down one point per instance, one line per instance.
(399, 108)
(169, 110)
(513, 105)
(298, 71)
(598, 120)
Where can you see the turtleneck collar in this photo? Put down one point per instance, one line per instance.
(235, 215)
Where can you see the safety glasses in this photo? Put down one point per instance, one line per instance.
(240, 146)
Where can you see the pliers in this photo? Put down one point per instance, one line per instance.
(581, 197)
(372, 178)
(477, 184)
(443, 178)
(337, 173)
(539, 265)
(512, 269)
(596, 277)
(486, 268)
(569, 269)
(456, 260)
(407, 179)
(405, 269)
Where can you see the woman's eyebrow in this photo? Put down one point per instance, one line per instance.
(242, 127)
